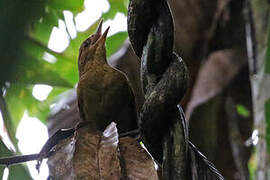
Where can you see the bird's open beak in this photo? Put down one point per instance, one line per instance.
(99, 29)
(101, 40)
(98, 38)
(97, 35)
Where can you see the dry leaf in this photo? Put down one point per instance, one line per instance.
(60, 163)
(217, 72)
(85, 160)
(138, 163)
(109, 165)
(95, 154)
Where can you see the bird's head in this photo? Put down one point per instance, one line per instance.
(93, 48)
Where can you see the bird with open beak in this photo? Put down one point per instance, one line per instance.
(103, 93)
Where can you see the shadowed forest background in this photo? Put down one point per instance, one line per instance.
(223, 42)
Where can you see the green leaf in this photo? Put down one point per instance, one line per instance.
(114, 42)
(17, 97)
(19, 172)
(16, 172)
(65, 66)
(36, 72)
(71, 5)
(242, 110)
(53, 96)
(41, 110)
(42, 29)
(267, 117)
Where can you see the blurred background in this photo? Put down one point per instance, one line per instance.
(39, 45)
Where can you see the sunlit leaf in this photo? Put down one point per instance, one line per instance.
(53, 96)
(36, 72)
(42, 29)
(65, 66)
(242, 110)
(71, 5)
(18, 172)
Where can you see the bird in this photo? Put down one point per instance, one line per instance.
(104, 94)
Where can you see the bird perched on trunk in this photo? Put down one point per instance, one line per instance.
(104, 94)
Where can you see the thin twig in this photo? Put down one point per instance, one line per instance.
(18, 159)
(47, 151)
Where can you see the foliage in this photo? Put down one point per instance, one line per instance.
(30, 68)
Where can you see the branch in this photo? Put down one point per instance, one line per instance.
(45, 152)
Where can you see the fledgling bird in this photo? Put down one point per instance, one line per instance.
(103, 93)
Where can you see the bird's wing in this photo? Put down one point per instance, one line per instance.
(80, 105)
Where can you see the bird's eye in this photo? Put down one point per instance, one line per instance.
(86, 43)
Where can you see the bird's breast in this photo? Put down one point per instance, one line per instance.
(105, 97)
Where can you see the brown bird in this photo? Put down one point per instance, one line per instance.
(104, 94)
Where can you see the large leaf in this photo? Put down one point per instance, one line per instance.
(214, 75)
(65, 66)
(16, 17)
(18, 98)
(36, 72)
(42, 28)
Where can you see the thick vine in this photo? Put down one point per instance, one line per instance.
(164, 78)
